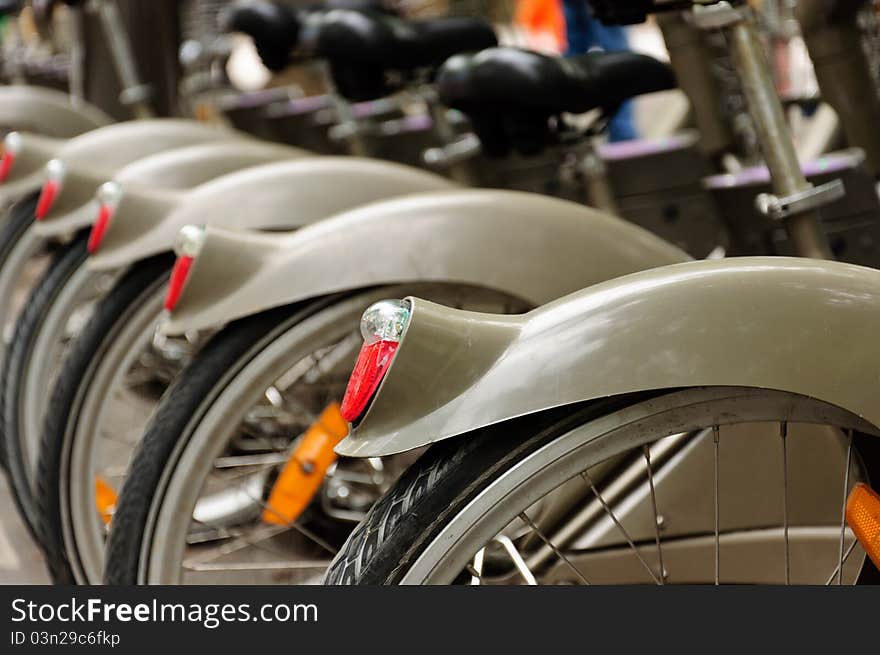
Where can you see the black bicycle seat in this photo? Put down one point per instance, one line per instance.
(363, 46)
(10, 7)
(629, 12)
(274, 29)
(510, 94)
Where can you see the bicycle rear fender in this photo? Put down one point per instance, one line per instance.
(27, 172)
(279, 196)
(801, 326)
(95, 157)
(177, 169)
(48, 112)
(528, 246)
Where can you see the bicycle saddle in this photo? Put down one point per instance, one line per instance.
(511, 94)
(362, 47)
(274, 29)
(10, 7)
(629, 12)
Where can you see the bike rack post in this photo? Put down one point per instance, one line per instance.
(796, 201)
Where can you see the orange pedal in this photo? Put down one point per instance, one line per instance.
(304, 471)
(863, 516)
(105, 499)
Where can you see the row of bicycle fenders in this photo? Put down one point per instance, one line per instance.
(427, 325)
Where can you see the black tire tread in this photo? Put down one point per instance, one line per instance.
(201, 379)
(435, 485)
(452, 472)
(64, 264)
(20, 216)
(108, 313)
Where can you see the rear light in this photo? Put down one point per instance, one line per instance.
(55, 171)
(863, 516)
(11, 148)
(382, 327)
(108, 200)
(189, 243)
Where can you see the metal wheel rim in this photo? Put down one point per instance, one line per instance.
(516, 489)
(46, 355)
(27, 247)
(162, 556)
(84, 535)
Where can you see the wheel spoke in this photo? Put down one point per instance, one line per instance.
(239, 542)
(476, 568)
(647, 453)
(264, 460)
(589, 480)
(516, 558)
(257, 538)
(783, 434)
(716, 438)
(849, 440)
(559, 553)
(308, 534)
(846, 555)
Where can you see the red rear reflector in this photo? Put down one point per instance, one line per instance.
(105, 213)
(371, 366)
(11, 148)
(382, 327)
(6, 163)
(47, 199)
(178, 279)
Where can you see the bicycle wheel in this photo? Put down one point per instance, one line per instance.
(108, 384)
(18, 247)
(193, 509)
(701, 485)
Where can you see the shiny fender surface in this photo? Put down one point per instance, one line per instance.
(279, 196)
(529, 246)
(48, 112)
(797, 325)
(176, 169)
(27, 173)
(95, 157)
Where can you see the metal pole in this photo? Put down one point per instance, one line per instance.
(77, 83)
(692, 60)
(134, 93)
(776, 143)
(834, 40)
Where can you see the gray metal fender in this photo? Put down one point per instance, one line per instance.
(176, 169)
(48, 112)
(95, 157)
(280, 196)
(796, 325)
(27, 173)
(529, 246)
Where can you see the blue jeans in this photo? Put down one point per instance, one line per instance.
(584, 32)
